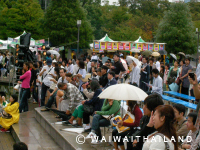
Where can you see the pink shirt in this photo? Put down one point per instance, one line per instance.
(26, 79)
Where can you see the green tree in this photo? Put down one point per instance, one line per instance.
(60, 23)
(19, 16)
(177, 30)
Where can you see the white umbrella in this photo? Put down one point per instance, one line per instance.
(181, 53)
(123, 92)
(135, 50)
(155, 54)
(131, 58)
(173, 55)
(54, 53)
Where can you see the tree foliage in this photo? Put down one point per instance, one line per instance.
(177, 30)
(60, 23)
(17, 16)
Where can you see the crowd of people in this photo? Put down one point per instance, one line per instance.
(70, 88)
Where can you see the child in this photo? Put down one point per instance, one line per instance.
(3, 102)
(12, 111)
(165, 77)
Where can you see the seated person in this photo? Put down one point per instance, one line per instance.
(71, 97)
(157, 86)
(134, 109)
(103, 80)
(111, 79)
(69, 79)
(150, 103)
(181, 122)
(10, 114)
(78, 112)
(109, 107)
(3, 102)
(193, 133)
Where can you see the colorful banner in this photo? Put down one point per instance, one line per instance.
(139, 46)
(156, 47)
(103, 45)
(145, 47)
(161, 47)
(120, 46)
(96, 45)
(115, 46)
(39, 42)
(109, 46)
(150, 47)
(101, 51)
(3, 45)
(127, 46)
(10, 39)
(133, 45)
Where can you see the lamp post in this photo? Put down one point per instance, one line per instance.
(78, 25)
(197, 32)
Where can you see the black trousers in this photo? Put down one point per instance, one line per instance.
(62, 114)
(185, 90)
(86, 117)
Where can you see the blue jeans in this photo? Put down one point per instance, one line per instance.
(51, 100)
(24, 100)
(97, 122)
(43, 94)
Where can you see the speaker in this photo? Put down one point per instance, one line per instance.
(25, 39)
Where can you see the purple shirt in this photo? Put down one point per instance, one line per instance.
(26, 77)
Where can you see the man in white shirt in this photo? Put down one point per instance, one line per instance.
(158, 64)
(157, 86)
(70, 68)
(94, 57)
(135, 75)
(76, 67)
(88, 64)
(47, 72)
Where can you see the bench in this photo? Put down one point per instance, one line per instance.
(178, 101)
(190, 98)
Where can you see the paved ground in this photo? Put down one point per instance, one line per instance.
(6, 141)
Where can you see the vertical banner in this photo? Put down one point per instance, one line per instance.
(150, 47)
(161, 47)
(145, 47)
(133, 46)
(96, 45)
(139, 46)
(103, 46)
(120, 46)
(156, 47)
(109, 46)
(127, 46)
(115, 46)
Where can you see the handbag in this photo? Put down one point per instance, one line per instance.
(178, 81)
(88, 108)
(5, 115)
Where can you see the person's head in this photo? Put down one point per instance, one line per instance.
(93, 53)
(179, 110)
(192, 117)
(92, 64)
(4, 55)
(20, 146)
(62, 72)
(60, 59)
(39, 52)
(0, 53)
(131, 104)
(162, 68)
(69, 77)
(30, 64)
(35, 65)
(151, 102)
(134, 64)
(49, 62)
(116, 57)
(111, 74)
(159, 59)
(55, 64)
(70, 61)
(176, 63)
(104, 69)
(26, 66)
(109, 60)
(63, 63)
(57, 71)
(144, 60)
(11, 53)
(94, 85)
(62, 86)
(163, 119)
(59, 64)
(187, 60)
(99, 71)
(102, 56)
(13, 98)
(88, 59)
(2, 94)
(81, 64)
(182, 62)
(166, 66)
(39, 63)
(155, 73)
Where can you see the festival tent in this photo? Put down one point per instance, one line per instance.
(139, 40)
(104, 39)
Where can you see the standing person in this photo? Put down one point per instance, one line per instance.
(25, 88)
(103, 80)
(81, 74)
(198, 71)
(88, 63)
(163, 121)
(47, 71)
(187, 68)
(158, 64)
(39, 56)
(12, 60)
(135, 73)
(70, 68)
(35, 89)
(152, 66)
(76, 67)
(94, 57)
(145, 71)
(118, 68)
(165, 77)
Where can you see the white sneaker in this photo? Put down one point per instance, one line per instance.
(90, 135)
(87, 127)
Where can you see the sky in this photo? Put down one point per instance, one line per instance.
(111, 1)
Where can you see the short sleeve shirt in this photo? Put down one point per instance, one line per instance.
(185, 70)
(118, 67)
